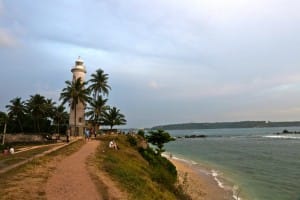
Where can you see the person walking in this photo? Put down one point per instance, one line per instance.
(87, 134)
(68, 133)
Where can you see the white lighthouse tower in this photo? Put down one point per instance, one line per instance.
(78, 72)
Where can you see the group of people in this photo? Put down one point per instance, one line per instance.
(88, 133)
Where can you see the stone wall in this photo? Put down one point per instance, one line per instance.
(23, 138)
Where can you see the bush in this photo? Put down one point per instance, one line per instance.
(2, 147)
(132, 140)
(163, 171)
(141, 133)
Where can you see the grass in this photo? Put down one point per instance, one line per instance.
(7, 160)
(18, 145)
(28, 181)
(141, 178)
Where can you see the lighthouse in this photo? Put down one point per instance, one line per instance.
(78, 71)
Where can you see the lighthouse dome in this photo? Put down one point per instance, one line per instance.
(79, 65)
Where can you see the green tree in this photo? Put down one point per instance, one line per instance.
(99, 84)
(141, 133)
(159, 138)
(16, 111)
(96, 110)
(36, 106)
(113, 117)
(75, 93)
(3, 122)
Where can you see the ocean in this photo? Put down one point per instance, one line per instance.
(254, 162)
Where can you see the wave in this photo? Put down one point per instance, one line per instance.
(282, 136)
(235, 189)
(169, 155)
(216, 175)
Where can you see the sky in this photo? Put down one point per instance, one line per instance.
(168, 61)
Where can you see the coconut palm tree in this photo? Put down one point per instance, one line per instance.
(60, 116)
(99, 84)
(3, 121)
(16, 111)
(49, 108)
(96, 110)
(113, 117)
(36, 106)
(75, 93)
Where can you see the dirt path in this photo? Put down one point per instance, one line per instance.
(71, 179)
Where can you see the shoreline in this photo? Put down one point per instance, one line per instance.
(200, 183)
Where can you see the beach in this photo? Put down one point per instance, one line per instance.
(200, 185)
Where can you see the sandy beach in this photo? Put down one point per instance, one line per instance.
(200, 185)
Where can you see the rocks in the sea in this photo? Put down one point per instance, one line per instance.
(287, 132)
(192, 136)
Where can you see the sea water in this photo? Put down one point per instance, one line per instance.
(255, 162)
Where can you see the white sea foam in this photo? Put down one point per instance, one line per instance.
(282, 136)
(235, 189)
(169, 155)
(215, 174)
(186, 161)
(236, 192)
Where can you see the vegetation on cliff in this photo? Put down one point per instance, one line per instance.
(142, 172)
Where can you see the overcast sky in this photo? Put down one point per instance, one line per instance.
(168, 61)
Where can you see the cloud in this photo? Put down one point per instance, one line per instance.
(1, 7)
(209, 57)
(7, 39)
(153, 85)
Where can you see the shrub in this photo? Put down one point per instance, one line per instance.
(141, 133)
(163, 171)
(2, 147)
(132, 140)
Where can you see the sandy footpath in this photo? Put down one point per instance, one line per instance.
(200, 185)
(71, 179)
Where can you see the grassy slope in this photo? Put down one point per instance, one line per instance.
(137, 176)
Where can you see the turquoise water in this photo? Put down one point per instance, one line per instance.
(263, 165)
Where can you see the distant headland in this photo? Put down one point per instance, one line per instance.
(219, 125)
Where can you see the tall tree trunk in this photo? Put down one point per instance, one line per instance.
(58, 127)
(4, 133)
(20, 125)
(34, 124)
(75, 120)
(38, 126)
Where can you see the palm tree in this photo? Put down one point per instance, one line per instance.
(60, 116)
(99, 83)
(75, 93)
(113, 117)
(3, 120)
(96, 110)
(49, 108)
(36, 106)
(16, 111)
